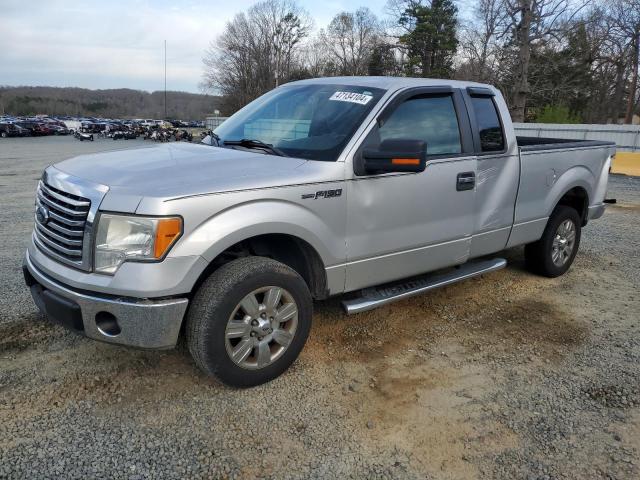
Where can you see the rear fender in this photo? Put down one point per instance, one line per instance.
(578, 176)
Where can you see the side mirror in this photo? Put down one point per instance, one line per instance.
(394, 155)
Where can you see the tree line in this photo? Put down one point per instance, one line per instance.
(566, 61)
(112, 103)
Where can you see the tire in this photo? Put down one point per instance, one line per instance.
(216, 307)
(542, 257)
(3, 134)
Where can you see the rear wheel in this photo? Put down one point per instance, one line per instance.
(554, 253)
(249, 321)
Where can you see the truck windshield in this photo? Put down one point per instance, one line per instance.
(304, 121)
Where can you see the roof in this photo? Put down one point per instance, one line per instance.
(390, 83)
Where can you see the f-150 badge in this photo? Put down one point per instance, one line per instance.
(323, 194)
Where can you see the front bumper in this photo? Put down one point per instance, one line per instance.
(142, 323)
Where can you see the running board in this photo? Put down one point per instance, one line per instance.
(374, 297)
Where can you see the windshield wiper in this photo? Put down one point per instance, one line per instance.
(251, 143)
(215, 137)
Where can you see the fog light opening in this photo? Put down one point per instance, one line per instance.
(107, 324)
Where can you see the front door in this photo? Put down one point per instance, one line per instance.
(403, 224)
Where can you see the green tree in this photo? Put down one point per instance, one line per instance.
(383, 60)
(430, 40)
(562, 74)
(557, 114)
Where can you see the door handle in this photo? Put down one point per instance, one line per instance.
(465, 181)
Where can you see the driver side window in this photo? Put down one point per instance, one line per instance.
(429, 118)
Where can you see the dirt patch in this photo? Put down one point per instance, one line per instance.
(614, 396)
(506, 310)
(418, 375)
(625, 207)
(429, 406)
(102, 375)
(534, 323)
(18, 336)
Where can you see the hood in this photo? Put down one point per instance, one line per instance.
(178, 169)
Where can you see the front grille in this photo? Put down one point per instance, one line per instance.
(60, 223)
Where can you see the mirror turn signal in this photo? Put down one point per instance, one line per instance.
(394, 155)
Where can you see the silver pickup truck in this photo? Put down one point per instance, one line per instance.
(318, 188)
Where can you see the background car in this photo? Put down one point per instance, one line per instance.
(9, 130)
(58, 130)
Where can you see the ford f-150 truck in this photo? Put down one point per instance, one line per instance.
(383, 187)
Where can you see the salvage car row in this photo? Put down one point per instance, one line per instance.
(31, 127)
(45, 125)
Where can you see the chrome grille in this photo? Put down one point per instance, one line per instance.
(60, 223)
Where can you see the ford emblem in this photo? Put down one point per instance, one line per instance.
(42, 214)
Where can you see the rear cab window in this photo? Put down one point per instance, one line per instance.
(488, 124)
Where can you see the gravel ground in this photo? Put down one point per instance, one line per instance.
(508, 376)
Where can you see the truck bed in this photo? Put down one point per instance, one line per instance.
(530, 144)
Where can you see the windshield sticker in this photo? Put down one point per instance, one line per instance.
(351, 97)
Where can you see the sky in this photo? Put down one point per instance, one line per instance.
(120, 44)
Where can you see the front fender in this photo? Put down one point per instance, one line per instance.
(258, 217)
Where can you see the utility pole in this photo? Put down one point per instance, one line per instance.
(165, 79)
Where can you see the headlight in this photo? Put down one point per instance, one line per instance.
(121, 238)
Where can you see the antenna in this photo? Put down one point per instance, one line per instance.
(165, 79)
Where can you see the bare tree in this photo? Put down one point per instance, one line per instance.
(480, 47)
(611, 64)
(580, 55)
(317, 59)
(626, 19)
(256, 51)
(285, 25)
(351, 38)
(527, 23)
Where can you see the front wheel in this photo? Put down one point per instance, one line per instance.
(249, 321)
(554, 253)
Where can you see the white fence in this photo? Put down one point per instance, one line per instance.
(213, 122)
(626, 137)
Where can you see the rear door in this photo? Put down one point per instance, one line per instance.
(402, 224)
(498, 170)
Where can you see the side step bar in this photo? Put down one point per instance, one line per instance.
(374, 297)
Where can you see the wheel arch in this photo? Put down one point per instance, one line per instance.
(574, 189)
(577, 198)
(286, 248)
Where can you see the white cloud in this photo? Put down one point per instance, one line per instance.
(120, 43)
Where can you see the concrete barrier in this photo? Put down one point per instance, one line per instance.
(627, 163)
